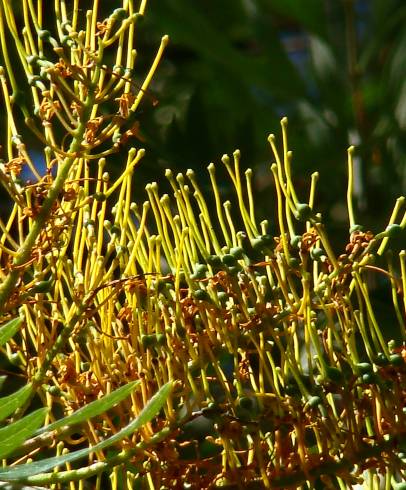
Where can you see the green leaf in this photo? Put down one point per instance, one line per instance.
(13, 435)
(94, 408)
(218, 50)
(9, 329)
(151, 409)
(10, 403)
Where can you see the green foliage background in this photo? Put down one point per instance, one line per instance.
(234, 67)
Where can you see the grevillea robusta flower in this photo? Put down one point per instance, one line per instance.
(282, 374)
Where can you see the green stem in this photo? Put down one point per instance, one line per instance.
(24, 253)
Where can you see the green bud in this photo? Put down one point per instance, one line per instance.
(200, 271)
(262, 242)
(32, 59)
(295, 241)
(334, 374)
(207, 449)
(355, 228)
(262, 280)
(201, 295)
(118, 70)
(121, 250)
(237, 252)
(248, 403)
(303, 212)
(148, 341)
(294, 262)
(119, 14)
(89, 223)
(396, 360)
(267, 240)
(381, 359)
(160, 339)
(161, 285)
(43, 34)
(363, 367)
(66, 26)
(234, 270)
(370, 378)
(257, 245)
(211, 411)
(314, 401)
(393, 231)
(116, 230)
(316, 253)
(100, 196)
(229, 259)
(222, 297)
(32, 80)
(54, 391)
(248, 248)
(214, 261)
(66, 40)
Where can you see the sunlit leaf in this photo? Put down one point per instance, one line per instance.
(151, 409)
(13, 435)
(10, 403)
(324, 62)
(9, 329)
(94, 408)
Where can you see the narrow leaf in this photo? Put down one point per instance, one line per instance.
(151, 409)
(94, 408)
(13, 435)
(9, 329)
(10, 403)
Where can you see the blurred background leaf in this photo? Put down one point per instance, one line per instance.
(234, 68)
